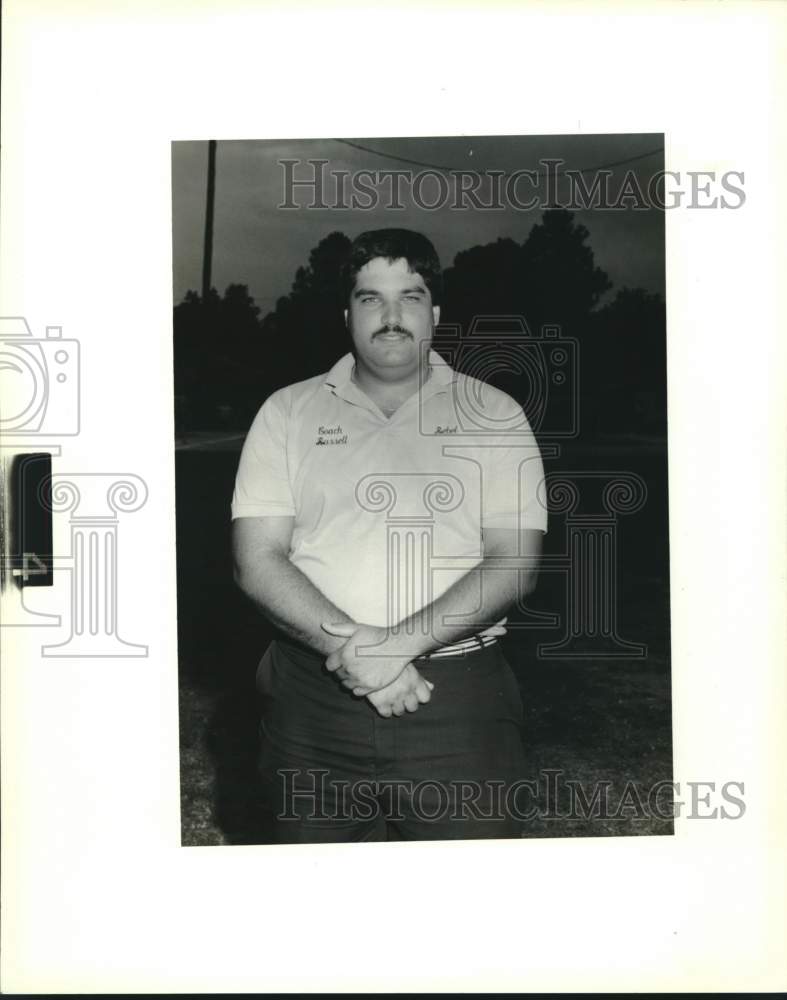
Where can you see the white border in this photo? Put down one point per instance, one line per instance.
(97, 894)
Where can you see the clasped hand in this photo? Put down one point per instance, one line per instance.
(368, 660)
(389, 681)
(369, 664)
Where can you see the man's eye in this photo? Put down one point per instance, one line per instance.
(366, 299)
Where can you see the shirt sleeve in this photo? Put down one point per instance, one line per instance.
(512, 491)
(262, 483)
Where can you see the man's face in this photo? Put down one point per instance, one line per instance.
(390, 315)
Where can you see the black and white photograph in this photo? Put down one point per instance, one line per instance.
(392, 497)
(421, 453)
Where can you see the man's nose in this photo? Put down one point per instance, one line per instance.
(392, 313)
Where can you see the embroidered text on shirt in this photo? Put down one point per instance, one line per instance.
(331, 435)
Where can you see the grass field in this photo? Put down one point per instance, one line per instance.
(591, 720)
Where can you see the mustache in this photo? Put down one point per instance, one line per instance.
(394, 328)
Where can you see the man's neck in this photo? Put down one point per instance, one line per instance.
(388, 393)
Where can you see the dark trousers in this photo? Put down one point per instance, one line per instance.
(333, 770)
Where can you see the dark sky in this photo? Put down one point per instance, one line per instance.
(260, 245)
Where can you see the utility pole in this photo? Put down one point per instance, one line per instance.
(207, 259)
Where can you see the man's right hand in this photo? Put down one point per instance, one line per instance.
(405, 694)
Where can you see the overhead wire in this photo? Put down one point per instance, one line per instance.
(539, 173)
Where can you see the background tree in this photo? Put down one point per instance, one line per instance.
(549, 279)
(305, 334)
(561, 283)
(227, 360)
(628, 365)
(217, 359)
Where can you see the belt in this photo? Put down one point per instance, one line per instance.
(475, 642)
(469, 645)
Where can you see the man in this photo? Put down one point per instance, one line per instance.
(384, 529)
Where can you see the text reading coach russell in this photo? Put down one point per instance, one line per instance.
(384, 514)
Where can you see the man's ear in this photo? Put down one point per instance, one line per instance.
(345, 317)
(436, 314)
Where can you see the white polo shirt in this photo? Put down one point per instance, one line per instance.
(389, 511)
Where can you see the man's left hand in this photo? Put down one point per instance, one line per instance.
(367, 661)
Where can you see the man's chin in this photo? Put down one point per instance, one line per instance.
(402, 352)
(396, 365)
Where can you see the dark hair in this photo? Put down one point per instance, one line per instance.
(391, 245)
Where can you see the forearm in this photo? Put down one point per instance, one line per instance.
(374, 657)
(446, 619)
(501, 579)
(290, 600)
